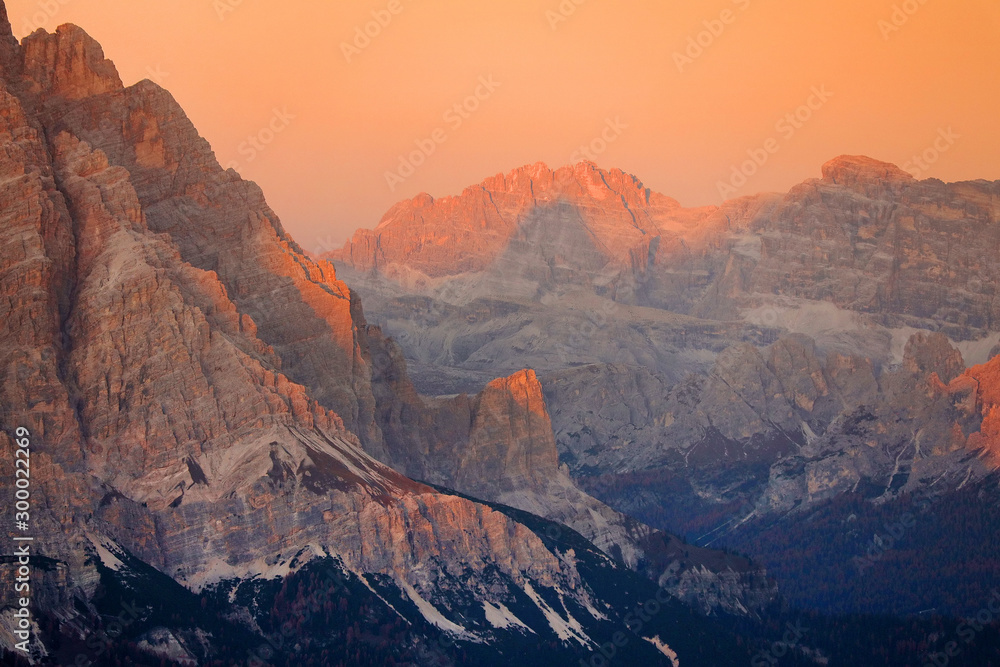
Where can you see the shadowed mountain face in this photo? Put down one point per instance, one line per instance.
(231, 461)
(468, 233)
(866, 238)
(211, 415)
(720, 367)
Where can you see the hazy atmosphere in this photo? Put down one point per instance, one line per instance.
(346, 105)
(556, 333)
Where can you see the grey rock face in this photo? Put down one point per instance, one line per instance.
(770, 353)
(206, 398)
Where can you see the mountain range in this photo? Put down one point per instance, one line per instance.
(210, 411)
(720, 372)
(485, 431)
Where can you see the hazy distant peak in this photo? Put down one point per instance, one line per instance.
(580, 181)
(8, 44)
(67, 64)
(851, 169)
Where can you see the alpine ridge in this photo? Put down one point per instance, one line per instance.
(213, 422)
(719, 372)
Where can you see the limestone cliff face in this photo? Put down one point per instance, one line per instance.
(68, 65)
(203, 397)
(137, 375)
(721, 340)
(217, 222)
(778, 429)
(9, 56)
(499, 446)
(511, 443)
(198, 392)
(868, 237)
(607, 218)
(982, 385)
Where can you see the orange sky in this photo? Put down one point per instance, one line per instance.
(242, 67)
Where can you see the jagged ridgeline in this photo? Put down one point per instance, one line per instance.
(211, 419)
(231, 466)
(781, 374)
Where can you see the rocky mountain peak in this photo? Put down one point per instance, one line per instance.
(8, 44)
(578, 215)
(67, 64)
(512, 410)
(197, 381)
(576, 182)
(854, 170)
(927, 353)
(519, 179)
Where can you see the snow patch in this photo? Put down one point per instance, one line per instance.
(217, 570)
(664, 649)
(565, 629)
(593, 611)
(749, 245)
(104, 547)
(811, 437)
(364, 581)
(568, 557)
(502, 618)
(827, 324)
(433, 616)
(977, 352)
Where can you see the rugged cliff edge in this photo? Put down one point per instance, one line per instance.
(866, 237)
(204, 398)
(716, 369)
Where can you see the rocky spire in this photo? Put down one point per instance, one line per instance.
(852, 170)
(9, 56)
(67, 64)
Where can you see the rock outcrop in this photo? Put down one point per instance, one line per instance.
(68, 64)
(204, 398)
(509, 455)
(533, 228)
(711, 364)
(769, 431)
(867, 240)
(886, 245)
